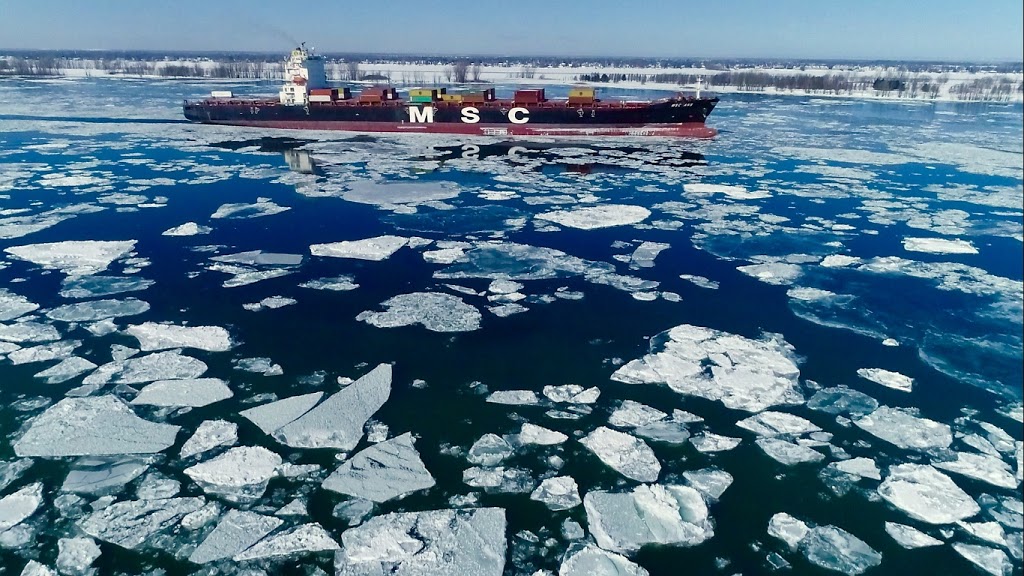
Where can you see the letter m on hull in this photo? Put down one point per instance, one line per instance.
(421, 115)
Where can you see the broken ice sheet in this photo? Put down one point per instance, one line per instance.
(980, 467)
(153, 336)
(93, 310)
(375, 249)
(168, 365)
(14, 305)
(19, 505)
(103, 475)
(381, 472)
(94, 286)
(209, 435)
(905, 430)
(338, 284)
(709, 442)
(187, 229)
(74, 258)
(589, 560)
(711, 482)
(926, 494)
(263, 366)
(26, 332)
(235, 533)
(559, 493)
(239, 475)
(262, 207)
(627, 455)
(600, 216)
(910, 537)
(893, 380)
(130, 523)
(196, 392)
(436, 311)
(788, 453)
(939, 246)
(650, 514)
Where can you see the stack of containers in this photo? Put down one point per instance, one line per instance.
(528, 96)
(377, 94)
(424, 95)
(451, 97)
(581, 95)
(479, 97)
(323, 95)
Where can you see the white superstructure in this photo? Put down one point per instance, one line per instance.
(303, 72)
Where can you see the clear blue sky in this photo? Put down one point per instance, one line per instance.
(852, 29)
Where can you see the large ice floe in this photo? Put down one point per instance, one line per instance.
(167, 365)
(902, 429)
(381, 472)
(743, 374)
(196, 393)
(65, 370)
(926, 494)
(601, 216)
(131, 523)
(379, 248)
(436, 311)
(153, 336)
(430, 543)
(239, 475)
(650, 514)
(626, 454)
(589, 560)
(14, 305)
(235, 532)
(73, 257)
(99, 425)
(991, 560)
(76, 555)
(19, 505)
(93, 310)
(981, 467)
(939, 246)
(337, 422)
(301, 540)
(830, 547)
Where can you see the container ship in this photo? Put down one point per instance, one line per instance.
(307, 102)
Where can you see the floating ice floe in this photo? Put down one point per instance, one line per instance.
(707, 442)
(632, 414)
(589, 560)
(441, 542)
(168, 365)
(862, 467)
(262, 207)
(382, 472)
(436, 311)
(842, 400)
(910, 537)
(601, 216)
(507, 260)
(33, 568)
(196, 392)
(272, 416)
(270, 303)
(711, 482)
(76, 555)
(506, 310)
(209, 435)
(646, 252)
(14, 305)
(991, 560)
(26, 332)
(17, 506)
(337, 284)
(775, 273)
(989, 531)
(130, 523)
(836, 549)
(981, 467)
(304, 539)
(700, 281)
(743, 374)
(153, 336)
(399, 195)
(73, 257)
(926, 494)
(626, 454)
(95, 286)
(893, 380)
(514, 397)
(788, 529)
(235, 533)
(187, 229)
(489, 450)
(239, 475)
(500, 479)
(103, 475)
(734, 192)
(771, 423)
(260, 365)
(533, 434)
(43, 352)
(650, 514)
(254, 266)
(572, 394)
(669, 431)
(376, 249)
(100, 425)
(938, 246)
(559, 493)
(93, 310)
(338, 421)
(788, 453)
(806, 294)
(905, 430)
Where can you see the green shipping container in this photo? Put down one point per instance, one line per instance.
(421, 99)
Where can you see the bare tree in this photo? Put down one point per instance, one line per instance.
(460, 70)
(475, 71)
(529, 71)
(352, 70)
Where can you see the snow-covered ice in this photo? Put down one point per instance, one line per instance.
(304, 539)
(76, 555)
(991, 560)
(65, 370)
(93, 310)
(436, 311)
(130, 523)
(910, 537)
(926, 494)
(771, 423)
(572, 393)
(601, 216)
(650, 514)
(19, 505)
(489, 450)
(711, 482)
(707, 442)
(73, 257)
(558, 493)
(239, 475)
(514, 397)
(626, 454)
(187, 229)
(788, 529)
(533, 434)
(893, 380)
(862, 467)
(590, 560)
(167, 365)
(235, 533)
(262, 207)
(774, 273)
(980, 467)
(153, 336)
(196, 392)
(836, 549)
(376, 249)
(905, 430)
(939, 246)
(631, 414)
(272, 416)
(788, 453)
(381, 472)
(209, 435)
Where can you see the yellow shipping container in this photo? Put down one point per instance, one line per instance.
(584, 92)
(423, 92)
(451, 97)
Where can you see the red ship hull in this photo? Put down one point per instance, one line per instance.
(689, 129)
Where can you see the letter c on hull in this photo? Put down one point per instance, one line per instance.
(519, 115)
(470, 115)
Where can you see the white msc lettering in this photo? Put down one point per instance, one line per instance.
(421, 114)
(515, 113)
(470, 115)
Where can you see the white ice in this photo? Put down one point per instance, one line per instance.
(910, 537)
(700, 281)
(514, 397)
(239, 475)
(926, 494)
(893, 380)
(734, 192)
(572, 393)
(187, 229)
(76, 555)
(771, 423)
(711, 482)
(788, 529)
(65, 370)
(272, 416)
(209, 435)
(336, 284)
(196, 393)
(18, 506)
(990, 560)
(304, 539)
(788, 453)
(376, 249)
(382, 472)
(836, 549)
(262, 207)
(559, 493)
(601, 216)
(153, 336)
(905, 430)
(626, 454)
(14, 305)
(939, 246)
(93, 310)
(489, 450)
(632, 414)
(593, 561)
(26, 332)
(533, 434)
(168, 365)
(436, 311)
(981, 467)
(74, 258)
(236, 532)
(775, 273)
(130, 523)
(862, 467)
(708, 442)
(650, 514)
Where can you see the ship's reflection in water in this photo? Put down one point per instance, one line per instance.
(571, 157)
(301, 161)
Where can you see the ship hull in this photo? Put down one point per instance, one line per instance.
(682, 117)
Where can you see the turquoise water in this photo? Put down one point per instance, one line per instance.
(816, 177)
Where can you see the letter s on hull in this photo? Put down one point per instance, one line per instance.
(470, 115)
(421, 114)
(519, 115)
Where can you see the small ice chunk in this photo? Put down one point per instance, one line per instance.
(264, 366)
(73, 257)
(297, 507)
(506, 310)
(572, 394)
(939, 246)
(65, 370)
(489, 450)
(382, 472)
(650, 514)
(338, 421)
(711, 482)
(788, 529)
(196, 392)
(910, 537)
(17, 506)
(632, 414)
(76, 555)
(626, 454)
(262, 207)
(376, 249)
(435, 542)
(988, 531)
(187, 229)
(514, 397)
(533, 434)
(601, 216)
(500, 479)
(93, 310)
(863, 467)
(153, 336)
(12, 470)
(589, 560)
(893, 380)
(667, 431)
(304, 539)
(272, 416)
(238, 475)
(700, 281)
(646, 252)
(130, 523)
(559, 493)
(43, 352)
(905, 430)
(167, 365)
(842, 400)
(991, 560)
(503, 286)
(771, 423)
(34, 568)
(235, 533)
(209, 435)
(788, 453)
(708, 442)
(436, 311)
(981, 467)
(836, 549)
(775, 273)
(94, 286)
(337, 284)
(926, 494)
(101, 425)
(270, 303)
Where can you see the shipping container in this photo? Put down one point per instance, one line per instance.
(581, 99)
(321, 98)
(369, 98)
(321, 91)
(581, 92)
(421, 99)
(221, 94)
(451, 97)
(529, 96)
(344, 93)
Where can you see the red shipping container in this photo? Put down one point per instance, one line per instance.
(321, 91)
(370, 98)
